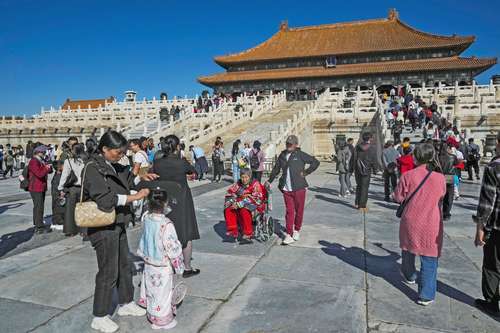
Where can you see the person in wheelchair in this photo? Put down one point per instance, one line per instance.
(243, 200)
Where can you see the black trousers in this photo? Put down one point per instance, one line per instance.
(57, 211)
(448, 200)
(38, 207)
(72, 197)
(8, 168)
(218, 169)
(257, 175)
(390, 183)
(362, 185)
(491, 268)
(111, 248)
(473, 165)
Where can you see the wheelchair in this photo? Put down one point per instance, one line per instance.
(263, 222)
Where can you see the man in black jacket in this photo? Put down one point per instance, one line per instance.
(350, 144)
(291, 162)
(365, 162)
(448, 161)
(488, 235)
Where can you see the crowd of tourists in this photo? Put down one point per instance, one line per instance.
(136, 187)
(147, 184)
(424, 177)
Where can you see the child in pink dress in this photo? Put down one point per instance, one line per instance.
(162, 254)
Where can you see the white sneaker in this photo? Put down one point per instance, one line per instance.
(131, 309)
(347, 193)
(424, 302)
(56, 226)
(287, 240)
(172, 324)
(104, 324)
(296, 235)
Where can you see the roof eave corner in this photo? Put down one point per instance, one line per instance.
(203, 80)
(221, 61)
(467, 42)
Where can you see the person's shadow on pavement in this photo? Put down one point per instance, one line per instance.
(11, 241)
(377, 265)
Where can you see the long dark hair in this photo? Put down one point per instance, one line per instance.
(91, 147)
(79, 152)
(170, 144)
(236, 147)
(256, 145)
(112, 140)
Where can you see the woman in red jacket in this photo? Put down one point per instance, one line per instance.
(405, 162)
(38, 171)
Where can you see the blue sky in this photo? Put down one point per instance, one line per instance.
(52, 50)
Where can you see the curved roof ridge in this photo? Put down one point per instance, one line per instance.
(470, 38)
(362, 36)
(339, 24)
(416, 65)
(264, 43)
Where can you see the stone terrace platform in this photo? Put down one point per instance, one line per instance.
(342, 276)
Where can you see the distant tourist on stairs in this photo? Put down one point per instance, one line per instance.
(237, 159)
(200, 161)
(364, 165)
(344, 159)
(350, 145)
(291, 163)
(256, 159)
(218, 157)
(448, 161)
(405, 162)
(473, 157)
(389, 159)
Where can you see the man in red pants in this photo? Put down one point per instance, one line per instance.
(291, 162)
(242, 199)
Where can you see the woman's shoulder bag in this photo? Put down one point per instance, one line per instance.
(87, 214)
(402, 206)
(72, 178)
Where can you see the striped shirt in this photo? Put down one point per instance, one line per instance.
(488, 208)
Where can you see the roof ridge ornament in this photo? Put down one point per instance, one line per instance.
(284, 25)
(393, 14)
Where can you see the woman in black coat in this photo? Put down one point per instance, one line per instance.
(171, 167)
(108, 184)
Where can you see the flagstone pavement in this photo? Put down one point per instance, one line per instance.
(342, 276)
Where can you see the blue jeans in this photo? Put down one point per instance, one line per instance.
(427, 284)
(236, 172)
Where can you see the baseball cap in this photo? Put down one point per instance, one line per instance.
(292, 140)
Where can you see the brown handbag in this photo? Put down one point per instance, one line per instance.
(88, 215)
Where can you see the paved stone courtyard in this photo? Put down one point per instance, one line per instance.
(342, 276)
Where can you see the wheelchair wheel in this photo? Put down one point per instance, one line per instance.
(270, 226)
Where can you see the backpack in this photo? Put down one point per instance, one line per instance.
(254, 161)
(216, 156)
(9, 160)
(362, 167)
(24, 181)
(473, 154)
(391, 167)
